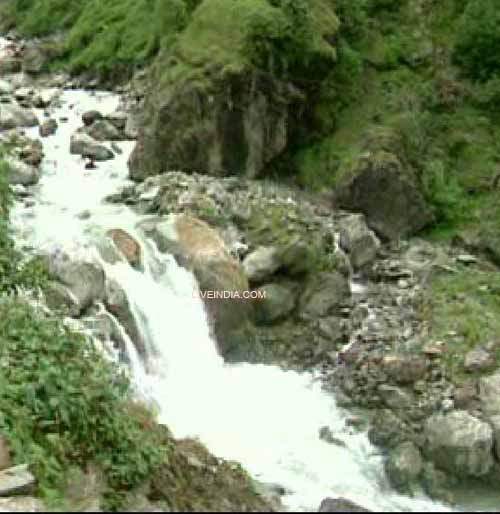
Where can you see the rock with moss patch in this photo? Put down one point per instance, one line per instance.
(379, 186)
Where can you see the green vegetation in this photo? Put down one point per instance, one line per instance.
(463, 311)
(477, 49)
(63, 406)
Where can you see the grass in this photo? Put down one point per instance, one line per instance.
(463, 311)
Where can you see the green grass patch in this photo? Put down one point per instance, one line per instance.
(463, 311)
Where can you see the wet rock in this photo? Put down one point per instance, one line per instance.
(16, 481)
(198, 247)
(261, 264)
(118, 304)
(103, 130)
(460, 444)
(48, 128)
(90, 117)
(403, 467)
(404, 369)
(379, 186)
(82, 144)
(360, 243)
(127, 245)
(479, 359)
(59, 298)
(489, 394)
(85, 280)
(340, 505)
(325, 294)
(13, 116)
(325, 434)
(277, 303)
(21, 173)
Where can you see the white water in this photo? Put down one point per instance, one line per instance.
(263, 417)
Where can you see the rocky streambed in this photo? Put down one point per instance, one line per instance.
(371, 396)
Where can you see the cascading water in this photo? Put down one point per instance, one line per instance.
(261, 416)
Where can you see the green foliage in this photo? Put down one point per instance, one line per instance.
(477, 48)
(121, 33)
(62, 404)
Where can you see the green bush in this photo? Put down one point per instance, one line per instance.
(477, 48)
(63, 405)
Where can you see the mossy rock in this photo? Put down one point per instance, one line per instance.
(386, 192)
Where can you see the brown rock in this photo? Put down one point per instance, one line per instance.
(127, 245)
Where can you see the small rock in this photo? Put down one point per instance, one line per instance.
(360, 243)
(434, 349)
(48, 128)
(261, 264)
(90, 117)
(16, 481)
(466, 259)
(325, 434)
(479, 360)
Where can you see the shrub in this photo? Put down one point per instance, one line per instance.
(477, 49)
(62, 404)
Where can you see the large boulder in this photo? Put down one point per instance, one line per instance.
(213, 106)
(199, 248)
(460, 444)
(388, 194)
(85, 280)
(235, 125)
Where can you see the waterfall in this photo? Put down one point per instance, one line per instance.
(261, 416)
